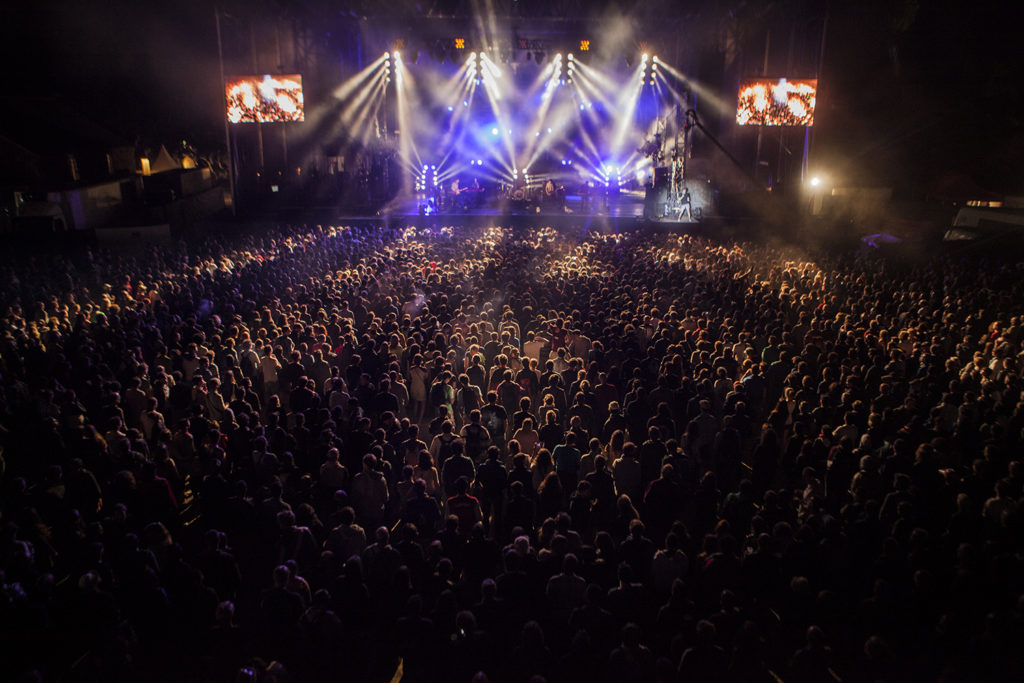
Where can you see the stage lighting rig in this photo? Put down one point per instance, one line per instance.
(427, 178)
(648, 69)
(584, 46)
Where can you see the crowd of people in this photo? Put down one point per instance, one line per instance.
(372, 454)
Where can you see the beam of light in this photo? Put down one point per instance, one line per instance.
(707, 95)
(405, 100)
(354, 115)
(626, 107)
(591, 81)
(375, 90)
(491, 89)
(371, 112)
(344, 90)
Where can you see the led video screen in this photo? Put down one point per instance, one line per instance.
(770, 102)
(264, 99)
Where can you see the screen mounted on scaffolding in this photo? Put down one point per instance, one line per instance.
(264, 99)
(776, 102)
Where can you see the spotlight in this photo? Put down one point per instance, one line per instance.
(472, 56)
(398, 56)
(815, 181)
(494, 131)
(655, 59)
(570, 57)
(558, 57)
(451, 108)
(644, 57)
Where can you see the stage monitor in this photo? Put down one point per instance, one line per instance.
(264, 99)
(771, 102)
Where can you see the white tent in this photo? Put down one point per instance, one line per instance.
(163, 162)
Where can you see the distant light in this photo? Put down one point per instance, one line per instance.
(495, 131)
(549, 130)
(582, 107)
(465, 103)
(563, 162)
(451, 108)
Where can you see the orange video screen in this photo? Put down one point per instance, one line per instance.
(264, 99)
(777, 102)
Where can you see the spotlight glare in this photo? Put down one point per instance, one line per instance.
(815, 181)
(644, 57)
(398, 55)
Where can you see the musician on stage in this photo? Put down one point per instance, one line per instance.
(684, 205)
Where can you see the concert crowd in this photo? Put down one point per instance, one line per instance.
(344, 453)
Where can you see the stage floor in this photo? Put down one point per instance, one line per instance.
(619, 211)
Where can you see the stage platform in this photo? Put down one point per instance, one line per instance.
(622, 211)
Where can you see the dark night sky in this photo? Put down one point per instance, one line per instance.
(909, 88)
